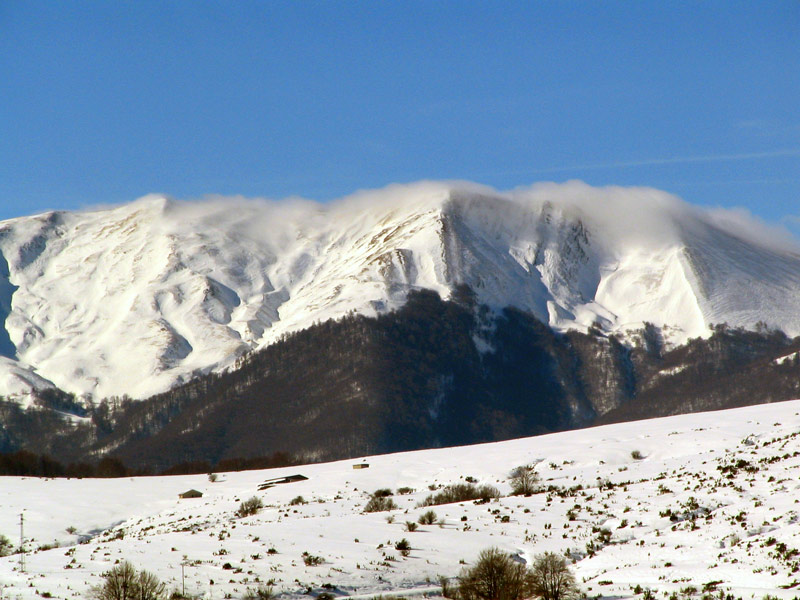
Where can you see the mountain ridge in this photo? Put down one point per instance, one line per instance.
(134, 299)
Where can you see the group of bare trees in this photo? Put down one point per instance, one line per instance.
(495, 576)
(498, 576)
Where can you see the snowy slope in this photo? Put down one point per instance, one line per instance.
(711, 498)
(132, 299)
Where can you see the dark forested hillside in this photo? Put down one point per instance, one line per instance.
(410, 379)
(433, 373)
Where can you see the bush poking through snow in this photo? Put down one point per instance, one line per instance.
(379, 504)
(124, 582)
(5, 545)
(637, 455)
(249, 507)
(310, 560)
(462, 492)
(403, 547)
(297, 500)
(427, 518)
(262, 592)
(524, 481)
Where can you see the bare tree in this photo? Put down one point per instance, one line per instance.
(552, 579)
(524, 481)
(495, 576)
(120, 583)
(149, 587)
(123, 582)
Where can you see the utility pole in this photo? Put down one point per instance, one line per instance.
(22, 542)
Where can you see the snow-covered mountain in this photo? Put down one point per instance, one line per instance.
(135, 298)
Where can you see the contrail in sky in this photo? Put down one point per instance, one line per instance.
(674, 160)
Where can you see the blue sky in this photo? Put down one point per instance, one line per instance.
(104, 102)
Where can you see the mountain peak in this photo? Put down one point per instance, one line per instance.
(187, 287)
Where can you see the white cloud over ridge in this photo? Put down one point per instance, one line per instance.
(631, 215)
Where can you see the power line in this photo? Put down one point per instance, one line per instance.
(22, 542)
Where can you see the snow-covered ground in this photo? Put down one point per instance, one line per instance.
(708, 499)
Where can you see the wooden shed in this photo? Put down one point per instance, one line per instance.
(191, 494)
(361, 466)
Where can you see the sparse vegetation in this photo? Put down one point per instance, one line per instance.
(427, 518)
(310, 560)
(461, 492)
(403, 547)
(379, 503)
(262, 592)
(249, 507)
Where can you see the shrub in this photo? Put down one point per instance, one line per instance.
(249, 507)
(552, 579)
(403, 547)
(212, 477)
(411, 526)
(461, 492)
(401, 491)
(312, 561)
(636, 455)
(427, 518)
(262, 592)
(524, 481)
(382, 493)
(5, 545)
(380, 504)
(123, 582)
(297, 500)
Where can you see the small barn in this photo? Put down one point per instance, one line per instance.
(191, 494)
(361, 466)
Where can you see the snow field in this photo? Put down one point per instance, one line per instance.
(711, 501)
